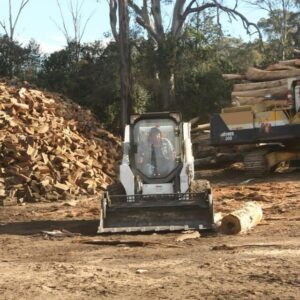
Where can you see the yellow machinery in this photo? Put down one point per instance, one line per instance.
(273, 126)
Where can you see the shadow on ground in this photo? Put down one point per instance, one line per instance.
(84, 227)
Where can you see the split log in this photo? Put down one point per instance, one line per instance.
(240, 221)
(187, 236)
(276, 92)
(233, 77)
(255, 74)
(259, 85)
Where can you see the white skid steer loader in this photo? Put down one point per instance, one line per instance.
(156, 189)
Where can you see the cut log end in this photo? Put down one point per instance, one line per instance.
(241, 221)
(230, 225)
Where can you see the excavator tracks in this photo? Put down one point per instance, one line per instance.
(255, 163)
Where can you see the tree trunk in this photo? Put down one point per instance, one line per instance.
(125, 74)
(166, 60)
(167, 93)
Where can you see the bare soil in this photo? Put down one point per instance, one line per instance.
(263, 264)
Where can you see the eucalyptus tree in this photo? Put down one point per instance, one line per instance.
(122, 39)
(281, 26)
(149, 14)
(74, 32)
(10, 23)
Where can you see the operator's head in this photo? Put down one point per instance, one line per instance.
(154, 135)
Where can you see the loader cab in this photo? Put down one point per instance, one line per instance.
(157, 147)
(156, 190)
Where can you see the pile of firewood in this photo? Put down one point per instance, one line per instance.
(270, 86)
(51, 148)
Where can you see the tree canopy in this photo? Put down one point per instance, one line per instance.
(192, 56)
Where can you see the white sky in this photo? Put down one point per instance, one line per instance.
(36, 22)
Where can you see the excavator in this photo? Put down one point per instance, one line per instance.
(156, 190)
(270, 130)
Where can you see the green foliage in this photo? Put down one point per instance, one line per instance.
(89, 73)
(141, 99)
(282, 31)
(19, 61)
(201, 93)
(32, 62)
(204, 53)
(89, 77)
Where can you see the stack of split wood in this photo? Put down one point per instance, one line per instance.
(51, 148)
(270, 85)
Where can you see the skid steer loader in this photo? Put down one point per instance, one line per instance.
(156, 189)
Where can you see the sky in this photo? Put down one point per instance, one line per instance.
(39, 17)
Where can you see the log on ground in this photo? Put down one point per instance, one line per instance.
(241, 221)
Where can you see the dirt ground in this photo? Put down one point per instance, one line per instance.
(263, 264)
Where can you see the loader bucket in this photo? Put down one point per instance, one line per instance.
(168, 212)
